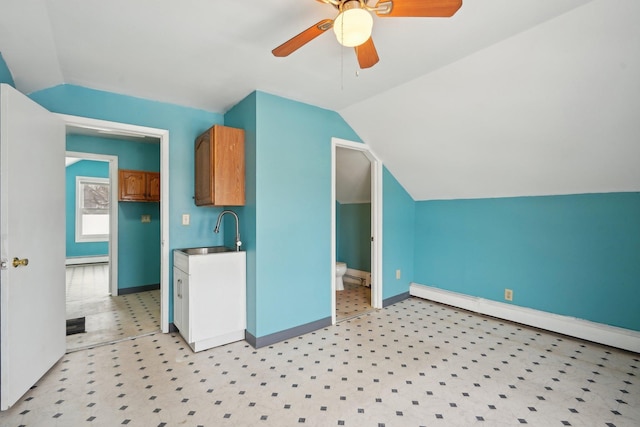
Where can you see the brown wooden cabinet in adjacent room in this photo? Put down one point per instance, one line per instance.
(138, 186)
(219, 167)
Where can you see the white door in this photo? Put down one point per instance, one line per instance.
(32, 223)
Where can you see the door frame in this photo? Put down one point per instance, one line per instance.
(124, 129)
(113, 211)
(376, 221)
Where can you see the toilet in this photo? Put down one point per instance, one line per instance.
(341, 268)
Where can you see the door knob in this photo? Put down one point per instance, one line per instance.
(18, 262)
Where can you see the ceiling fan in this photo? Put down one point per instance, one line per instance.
(354, 23)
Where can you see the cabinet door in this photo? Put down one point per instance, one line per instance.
(132, 185)
(203, 171)
(220, 167)
(153, 186)
(178, 304)
(228, 166)
(186, 310)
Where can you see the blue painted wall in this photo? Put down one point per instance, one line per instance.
(287, 220)
(575, 255)
(139, 258)
(184, 125)
(398, 222)
(293, 238)
(243, 116)
(353, 231)
(291, 203)
(288, 213)
(131, 154)
(82, 168)
(5, 73)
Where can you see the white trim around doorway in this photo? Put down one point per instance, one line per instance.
(124, 129)
(376, 221)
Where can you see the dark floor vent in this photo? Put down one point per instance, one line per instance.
(75, 326)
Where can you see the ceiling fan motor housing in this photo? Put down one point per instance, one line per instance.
(353, 24)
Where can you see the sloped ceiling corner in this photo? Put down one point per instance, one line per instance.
(28, 46)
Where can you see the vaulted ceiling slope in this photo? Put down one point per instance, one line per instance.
(504, 98)
(552, 110)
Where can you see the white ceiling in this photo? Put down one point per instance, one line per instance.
(449, 108)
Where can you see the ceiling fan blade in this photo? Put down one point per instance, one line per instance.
(367, 54)
(418, 8)
(295, 43)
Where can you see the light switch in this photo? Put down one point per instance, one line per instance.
(145, 218)
(185, 219)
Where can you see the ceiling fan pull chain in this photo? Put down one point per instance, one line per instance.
(342, 61)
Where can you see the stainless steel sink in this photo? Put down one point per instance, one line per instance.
(206, 250)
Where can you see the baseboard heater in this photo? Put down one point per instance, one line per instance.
(613, 336)
(87, 260)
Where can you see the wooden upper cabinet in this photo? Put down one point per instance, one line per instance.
(138, 186)
(219, 167)
(153, 186)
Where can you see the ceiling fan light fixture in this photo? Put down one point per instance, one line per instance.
(353, 25)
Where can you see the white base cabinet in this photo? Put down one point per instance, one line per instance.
(209, 298)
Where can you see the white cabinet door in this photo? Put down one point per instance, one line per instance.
(186, 311)
(178, 305)
(32, 224)
(217, 304)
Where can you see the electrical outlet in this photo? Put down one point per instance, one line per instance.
(145, 218)
(508, 294)
(185, 219)
(398, 274)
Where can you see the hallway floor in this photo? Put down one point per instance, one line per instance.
(414, 363)
(107, 318)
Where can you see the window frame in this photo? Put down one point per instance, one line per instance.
(80, 237)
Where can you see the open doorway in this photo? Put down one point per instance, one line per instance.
(102, 305)
(160, 138)
(356, 230)
(90, 234)
(353, 233)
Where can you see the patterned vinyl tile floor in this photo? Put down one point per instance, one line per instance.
(352, 301)
(414, 363)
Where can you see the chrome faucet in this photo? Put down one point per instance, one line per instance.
(217, 229)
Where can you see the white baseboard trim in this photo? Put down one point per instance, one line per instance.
(86, 260)
(591, 331)
(354, 276)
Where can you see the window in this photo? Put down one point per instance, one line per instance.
(92, 209)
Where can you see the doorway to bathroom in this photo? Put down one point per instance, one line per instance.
(356, 230)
